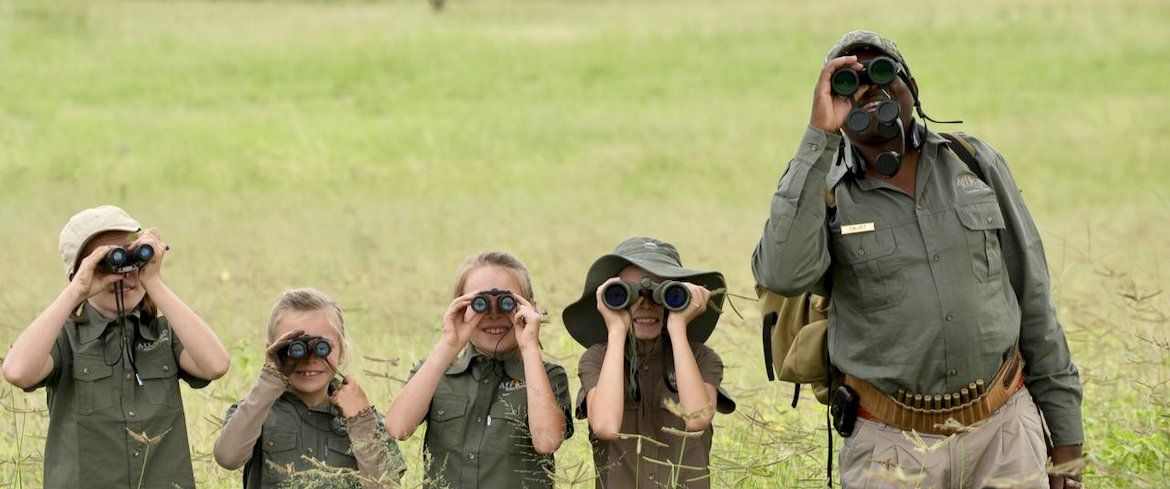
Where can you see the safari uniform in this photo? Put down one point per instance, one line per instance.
(619, 463)
(281, 432)
(96, 402)
(928, 293)
(477, 427)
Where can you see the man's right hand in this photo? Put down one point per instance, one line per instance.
(828, 110)
(283, 363)
(616, 322)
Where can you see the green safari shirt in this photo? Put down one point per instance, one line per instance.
(96, 403)
(477, 427)
(928, 293)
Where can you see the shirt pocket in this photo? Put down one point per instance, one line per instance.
(509, 431)
(280, 448)
(338, 454)
(865, 260)
(983, 222)
(446, 421)
(159, 373)
(96, 387)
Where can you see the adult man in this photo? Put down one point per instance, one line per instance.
(941, 308)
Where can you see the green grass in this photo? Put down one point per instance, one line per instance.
(366, 148)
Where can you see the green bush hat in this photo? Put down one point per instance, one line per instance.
(659, 258)
(854, 41)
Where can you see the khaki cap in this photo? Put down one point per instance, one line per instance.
(84, 225)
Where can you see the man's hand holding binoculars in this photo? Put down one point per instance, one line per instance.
(829, 110)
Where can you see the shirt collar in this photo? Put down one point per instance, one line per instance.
(513, 364)
(96, 324)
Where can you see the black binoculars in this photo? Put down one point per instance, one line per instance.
(878, 71)
(306, 345)
(121, 260)
(504, 300)
(673, 295)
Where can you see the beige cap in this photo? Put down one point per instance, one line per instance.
(86, 224)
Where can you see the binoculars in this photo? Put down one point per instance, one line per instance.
(504, 300)
(121, 260)
(878, 71)
(672, 295)
(306, 345)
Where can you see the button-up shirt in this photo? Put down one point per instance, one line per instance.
(477, 427)
(103, 423)
(629, 462)
(929, 292)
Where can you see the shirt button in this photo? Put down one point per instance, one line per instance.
(471, 456)
(166, 368)
(918, 206)
(950, 317)
(136, 453)
(310, 450)
(85, 370)
(485, 381)
(813, 146)
(861, 251)
(953, 373)
(937, 258)
(440, 413)
(269, 443)
(478, 419)
(651, 476)
(128, 376)
(131, 414)
(990, 219)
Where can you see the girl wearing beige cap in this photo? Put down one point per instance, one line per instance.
(110, 350)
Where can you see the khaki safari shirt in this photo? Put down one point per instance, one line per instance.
(928, 293)
(95, 402)
(618, 463)
(477, 427)
(279, 435)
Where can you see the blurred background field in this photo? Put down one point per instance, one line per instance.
(367, 148)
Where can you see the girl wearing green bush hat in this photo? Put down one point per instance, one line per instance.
(647, 379)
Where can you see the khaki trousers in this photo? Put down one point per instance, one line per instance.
(1006, 450)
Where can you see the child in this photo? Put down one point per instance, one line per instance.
(496, 412)
(111, 363)
(631, 368)
(297, 411)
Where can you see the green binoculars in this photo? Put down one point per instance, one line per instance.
(877, 71)
(673, 295)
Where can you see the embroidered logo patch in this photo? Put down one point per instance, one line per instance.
(968, 183)
(148, 346)
(512, 385)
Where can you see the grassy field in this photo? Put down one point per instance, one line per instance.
(367, 148)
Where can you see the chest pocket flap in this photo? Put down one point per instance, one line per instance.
(981, 216)
(447, 408)
(280, 441)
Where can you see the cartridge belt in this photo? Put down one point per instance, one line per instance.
(932, 414)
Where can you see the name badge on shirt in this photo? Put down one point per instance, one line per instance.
(865, 227)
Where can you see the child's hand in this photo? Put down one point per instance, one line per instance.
(459, 321)
(282, 362)
(527, 321)
(677, 321)
(153, 269)
(86, 282)
(350, 399)
(617, 322)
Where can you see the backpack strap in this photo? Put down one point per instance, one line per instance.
(965, 151)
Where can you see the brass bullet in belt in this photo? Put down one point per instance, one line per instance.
(918, 401)
(946, 401)
(900, 395)
(980, 387)
(974, 391)
(937, 402)
(965, 394)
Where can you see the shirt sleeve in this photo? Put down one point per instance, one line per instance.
(710, 365)
(177, 348)
(588, 371)
(379, 460)
(61, 354)
(1049, 373)
(793, 254)
(559, 380)
(244, 422)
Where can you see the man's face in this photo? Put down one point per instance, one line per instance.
(868, 97)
